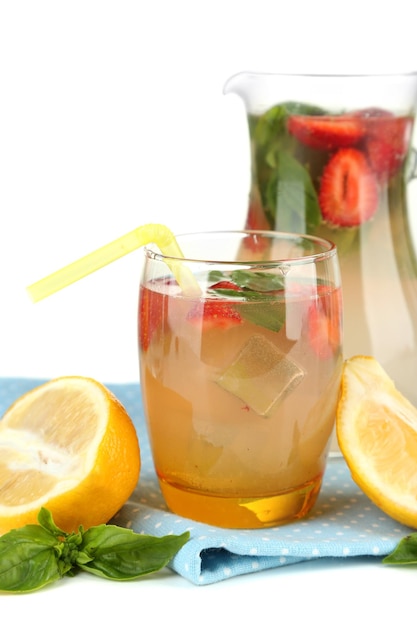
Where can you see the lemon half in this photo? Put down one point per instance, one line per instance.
(377, 434)
(69, 446)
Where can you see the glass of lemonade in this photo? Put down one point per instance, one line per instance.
(240, 378)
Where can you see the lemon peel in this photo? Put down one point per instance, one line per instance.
(377, 433)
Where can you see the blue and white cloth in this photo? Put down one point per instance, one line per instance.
(344, 522)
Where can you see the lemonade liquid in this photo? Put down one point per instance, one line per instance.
(240, 406)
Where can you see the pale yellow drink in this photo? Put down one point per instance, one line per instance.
(240, 386)
(240, 367)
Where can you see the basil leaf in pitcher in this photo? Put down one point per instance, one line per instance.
(291, 198)
(267, 127)
(285, 186)
(303, 108)
(272, 124)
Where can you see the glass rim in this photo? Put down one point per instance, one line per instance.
(328, 248)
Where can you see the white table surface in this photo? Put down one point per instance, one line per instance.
(351, 591)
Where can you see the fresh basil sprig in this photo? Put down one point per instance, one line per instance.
(280, 172)
(257, 288)
(405, 552)
(36, 555)
(256, 285)
(291, 197)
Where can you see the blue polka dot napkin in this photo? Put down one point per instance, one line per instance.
(344, 522)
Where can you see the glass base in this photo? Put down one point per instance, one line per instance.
(232, 512)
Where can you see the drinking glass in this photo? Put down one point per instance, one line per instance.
(240, 377)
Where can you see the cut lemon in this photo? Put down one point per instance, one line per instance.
(377, 434)
(69, 446)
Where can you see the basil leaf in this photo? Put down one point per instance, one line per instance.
(273, 123)
(120, 554)
(215, 276)
(405, 553)
(35, 555)
(268, 126)
(46, 521)
(249, 282)
(271, 316)
(258, 281)
(258, 288)
(284, 184)
(303, 108)
(28, 559)
(291, 197)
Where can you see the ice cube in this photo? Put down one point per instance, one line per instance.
(261, 375)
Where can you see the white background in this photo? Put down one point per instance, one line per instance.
(112, 115)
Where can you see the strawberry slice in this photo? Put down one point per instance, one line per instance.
(152, 310)
(387, 139)
(324, 330)
(226, 284)
(213, 314)
(348, 193)
(256, 220)
(326, 132)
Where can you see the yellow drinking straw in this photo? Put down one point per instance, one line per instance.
(141, 236)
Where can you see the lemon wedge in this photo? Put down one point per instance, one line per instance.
(377, 433)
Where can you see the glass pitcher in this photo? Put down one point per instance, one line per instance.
(331, 156)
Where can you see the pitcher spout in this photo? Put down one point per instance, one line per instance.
(237, 84)
(256, 89)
